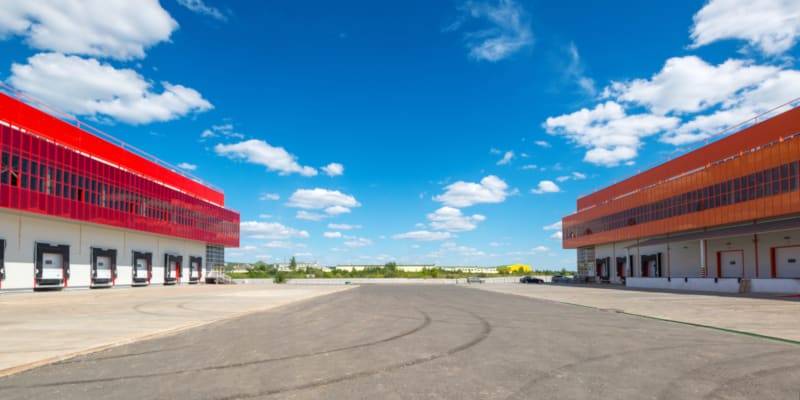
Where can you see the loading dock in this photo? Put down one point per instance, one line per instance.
(195, 269)
(172, 268)
(730, 264)
(52, 266)
(104, 267)
(142, 268)
(651, 266)
(786, 262)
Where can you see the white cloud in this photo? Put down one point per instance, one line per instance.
(509, 29)
(771, 26)
(200, 7)
(507, 157)
(332, 235)
(355, 242)
(222, 130)
(423, 236)
(575, 72)
(454, 248)
(772, 92)
(540, 249)
(118, 29)
(333, 202)
(310, 216)
(333, 169)
(452, 220)
(491, 189)
(563, 178)
(344, 227)
(260, 152)
(689, 84)
(270, 230)
(558, 235)
(186, 166)
(530, 167)
(611, 136)
(578, 176)
(87, 87)
(546, 187)
(542, 143)
(270, 197)
(555, 226)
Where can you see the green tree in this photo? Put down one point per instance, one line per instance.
(293, 264)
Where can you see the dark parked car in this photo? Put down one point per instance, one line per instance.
(530, 279)
(560, 279)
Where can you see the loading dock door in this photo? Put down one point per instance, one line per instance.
(195, 269)
(104, 267)
(787, 262)
(142, 268)
(51, 268)
(172, 268)
(731, 264)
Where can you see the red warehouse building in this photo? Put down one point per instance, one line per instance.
(725, 217)
(78, 210)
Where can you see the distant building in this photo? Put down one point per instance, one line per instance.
(723, 217)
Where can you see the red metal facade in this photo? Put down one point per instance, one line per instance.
(44, 125)
(44, 176)
(751, 175)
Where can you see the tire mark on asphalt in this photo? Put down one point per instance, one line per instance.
(485, 332)
(117, 357)
(524, 391)
(669, 391)
(426, 321)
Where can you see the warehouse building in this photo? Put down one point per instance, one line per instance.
(79, 209)
(725, 217)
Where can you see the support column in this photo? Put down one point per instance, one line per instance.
(703, 266)
(628, 264)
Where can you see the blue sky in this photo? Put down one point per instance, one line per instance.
(449, 132)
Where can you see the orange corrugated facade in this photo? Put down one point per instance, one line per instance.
(767, 145)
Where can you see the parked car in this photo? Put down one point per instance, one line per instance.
(561, 279)
(530, 279)
(474, 279)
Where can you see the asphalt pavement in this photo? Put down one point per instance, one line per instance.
(428, 342)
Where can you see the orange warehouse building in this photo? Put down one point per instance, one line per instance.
(725, 217)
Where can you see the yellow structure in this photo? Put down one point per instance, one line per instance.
(515, 268)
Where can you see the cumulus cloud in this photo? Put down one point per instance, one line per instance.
(771, 26)
(331, 202)
(221, 130)
(546, 187)
(270, 230)
(332, 235)
(270, 197)
(689, 84)
(187, 167)
(91, 88)
(555, 226)
(200, 7)
(423, 236)
(119, 29)
(260, 152)
(355, 242)
(333, 169)
(507, 157)
(453, 220)
(542, 143)
(610, 135)
(508, 29)
(491, 189)
(343, 227)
